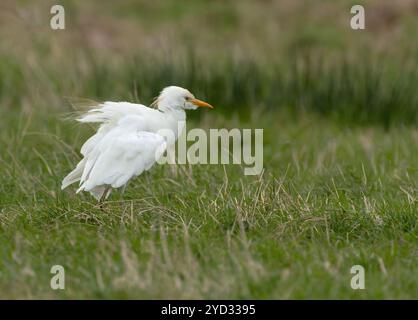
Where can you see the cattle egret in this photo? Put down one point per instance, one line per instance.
(128, 140)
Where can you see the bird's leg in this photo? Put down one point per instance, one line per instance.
(172, 163)
(124, 187)
(103, 197)
(174, 170)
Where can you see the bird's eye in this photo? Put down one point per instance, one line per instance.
(187, 98)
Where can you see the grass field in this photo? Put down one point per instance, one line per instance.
(340, 182)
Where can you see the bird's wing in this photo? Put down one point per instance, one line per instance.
(124, 152)
(119, 117)
(110, 112)
(108, 115)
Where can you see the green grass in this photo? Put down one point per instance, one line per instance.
(359, 92)
(329, 198)
(339, 113)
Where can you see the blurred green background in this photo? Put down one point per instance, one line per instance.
(296, 55)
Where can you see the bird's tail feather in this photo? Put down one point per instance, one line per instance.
(80, 107)
(99, 191)
(74, 175)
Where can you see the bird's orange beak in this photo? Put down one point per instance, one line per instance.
(200, 103)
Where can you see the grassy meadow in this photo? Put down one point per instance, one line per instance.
(339, 188)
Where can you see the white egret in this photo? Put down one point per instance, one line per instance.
(127, 141)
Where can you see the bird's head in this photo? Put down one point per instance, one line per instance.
(178, 98)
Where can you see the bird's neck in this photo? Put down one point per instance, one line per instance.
(177, 113)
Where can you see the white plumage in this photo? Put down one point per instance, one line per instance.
(128, 140)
